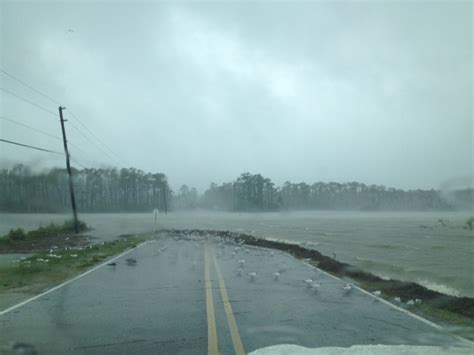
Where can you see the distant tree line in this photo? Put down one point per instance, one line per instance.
(187, 198)
(257, 193)
(132, 190)
(248, 193)
(97, 190)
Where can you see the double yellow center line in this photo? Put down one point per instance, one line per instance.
(211, 321)
(212, 347)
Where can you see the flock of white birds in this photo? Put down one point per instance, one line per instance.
(311, 284)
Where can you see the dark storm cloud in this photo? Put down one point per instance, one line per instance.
(378, 93)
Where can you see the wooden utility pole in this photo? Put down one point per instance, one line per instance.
(68, 166)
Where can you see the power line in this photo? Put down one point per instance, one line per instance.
(116, 157)
(29, 146)
(92, 142)
(30, 87)
(45, 133)
(76, 147)
(29, 127)
(30, 102)
(90, 162)
(93, 135)
(77, 162)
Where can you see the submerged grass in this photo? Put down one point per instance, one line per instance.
(51, 230)
(43, 238)
(43, 270)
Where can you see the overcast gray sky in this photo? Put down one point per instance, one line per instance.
(301, 91)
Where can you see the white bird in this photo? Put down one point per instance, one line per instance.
(242, 262)
(252, 275)
(410, 303)
(276, 275)
(377, 293)
(347, 288)
(308, 282)
(315, 286)
(417, 301)
(397, 299)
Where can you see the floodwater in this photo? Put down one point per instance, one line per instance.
(411, 246)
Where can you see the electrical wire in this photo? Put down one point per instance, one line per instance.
(92, 142)
(30, 102)
(29, 127)
(74, 160)
(93, 135)
(29, 146)
(115, 156)
(30, 87)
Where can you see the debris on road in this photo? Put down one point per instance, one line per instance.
(347, 288)
(131, 261)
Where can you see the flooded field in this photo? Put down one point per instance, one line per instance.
(412, 246)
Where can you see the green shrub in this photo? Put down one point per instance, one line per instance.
(50, 230)
(16, 234)
(68, 225)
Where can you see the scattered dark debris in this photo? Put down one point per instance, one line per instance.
(131, 261)
(45, 243)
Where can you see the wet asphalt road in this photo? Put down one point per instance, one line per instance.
(187, 296)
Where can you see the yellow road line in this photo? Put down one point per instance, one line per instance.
(234, 331)
(212, 347)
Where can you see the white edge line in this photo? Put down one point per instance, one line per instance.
(417, 317)
(5, 311)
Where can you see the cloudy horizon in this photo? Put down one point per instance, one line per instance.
(306, 91)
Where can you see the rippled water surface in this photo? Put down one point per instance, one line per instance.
(410, 246)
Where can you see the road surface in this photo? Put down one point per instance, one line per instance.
(187, 296)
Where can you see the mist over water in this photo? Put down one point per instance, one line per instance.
(410, 246)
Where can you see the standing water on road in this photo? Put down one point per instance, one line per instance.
(411, 246)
